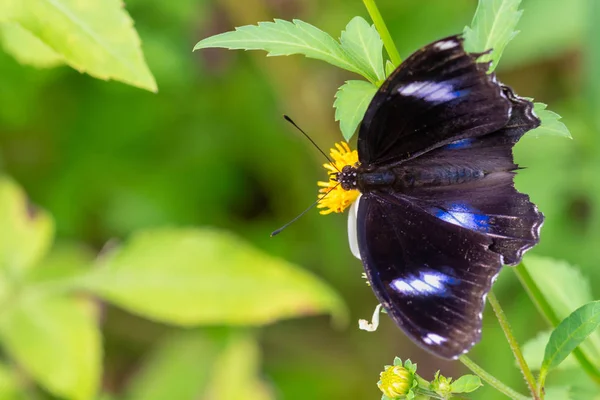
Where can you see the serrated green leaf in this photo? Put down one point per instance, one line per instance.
(27, 48)
(284, 38)
(565, 289)
(466, 384)
(93, 37)
(570, 333)
(551, 124)
(493, 26)
(362, 43)
(57, 341)
(351, 102)
(533, 351)
(389, 68)
(25, 232)
(207, 276)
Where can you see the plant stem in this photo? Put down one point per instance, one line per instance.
(390, 47)
(514, 345)
(539, 300)
(490, 379)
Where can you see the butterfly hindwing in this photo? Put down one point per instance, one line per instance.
(431, 277)
(438, 95)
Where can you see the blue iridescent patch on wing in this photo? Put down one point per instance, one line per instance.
(459, 144)
(463, 215)
(427, 282)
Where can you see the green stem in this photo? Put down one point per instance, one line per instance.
(539, 300)
(514, 345)
(491, 380)
(390, 47)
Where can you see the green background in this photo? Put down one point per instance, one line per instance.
(211, 149)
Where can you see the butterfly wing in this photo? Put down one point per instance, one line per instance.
(490, 205)
(438, 95)
(431, 276)
(432, 252)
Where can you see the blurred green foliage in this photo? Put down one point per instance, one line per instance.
(211, 150)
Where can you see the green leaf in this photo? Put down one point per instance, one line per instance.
(284, 38)
(57, 341)
(9, 383)
(179, 368)
(570, 333)
(27, 48)
(466, 384)
(207, 276)
(96, 37)
(493, 26)
(236, 372)
(361, 41)
(65, 260)
(551, 124)
(25, 232)
(565, 289)
(551, 29)
(212, 364)
(533, 351)
(351, 102)
(389, 68)
(558, 393)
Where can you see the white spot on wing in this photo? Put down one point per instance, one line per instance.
(436, 92)
(427, 283)
(435, 281)
(403, 287)
(445, 45)
(432, 338)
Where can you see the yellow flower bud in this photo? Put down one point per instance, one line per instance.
(395, 381)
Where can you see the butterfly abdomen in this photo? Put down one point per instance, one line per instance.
(442, 175)
(403, 178)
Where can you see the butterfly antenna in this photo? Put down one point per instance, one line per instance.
(288, 119)
(278, 231)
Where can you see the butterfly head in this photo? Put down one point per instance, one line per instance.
(347, 177)
(340, 188)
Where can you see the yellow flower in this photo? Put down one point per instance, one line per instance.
(395, 381)
(337, 199)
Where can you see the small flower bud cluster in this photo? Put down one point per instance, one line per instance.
(400, 381)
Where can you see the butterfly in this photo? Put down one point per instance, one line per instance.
(438, 215)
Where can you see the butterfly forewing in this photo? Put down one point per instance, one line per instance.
(438, 95)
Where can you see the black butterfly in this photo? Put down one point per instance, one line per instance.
(439, 214)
